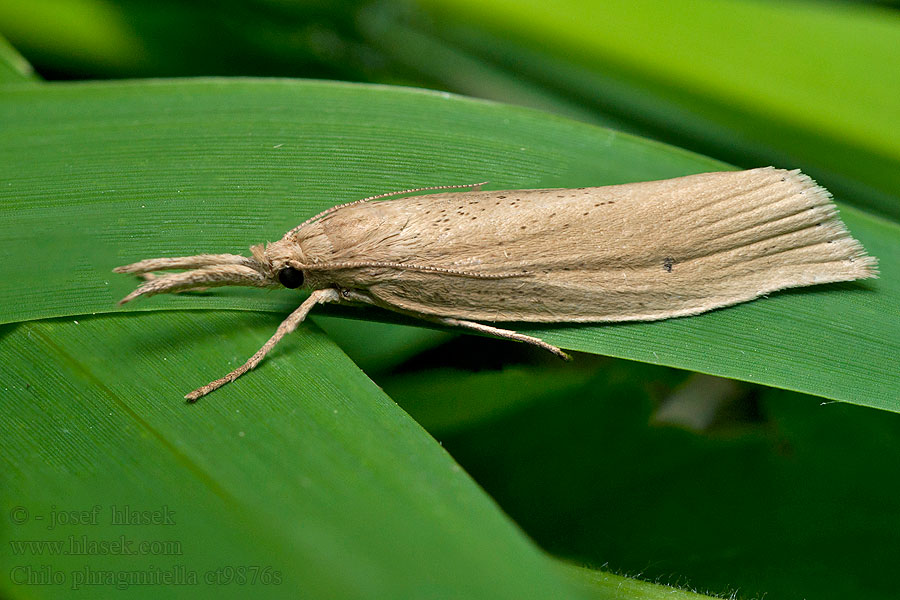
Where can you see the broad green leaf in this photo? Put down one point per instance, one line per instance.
(100, 174)
(783, 496)
(307, 472)
(809, 84)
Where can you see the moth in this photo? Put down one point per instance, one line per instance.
(633, 252)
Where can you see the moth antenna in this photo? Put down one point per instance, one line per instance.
(286, 327)
(474, 186)
(324, 266)
(215, 276)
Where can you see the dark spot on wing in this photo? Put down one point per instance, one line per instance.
(668, 262)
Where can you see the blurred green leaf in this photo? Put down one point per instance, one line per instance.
(447, 400)
(77, 32)
(99, 175)
(787, 497)
(800, 83)
(90, 39)
(13, 66)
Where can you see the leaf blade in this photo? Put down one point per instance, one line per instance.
(131, 160)
(317, 473)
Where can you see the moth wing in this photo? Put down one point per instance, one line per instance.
(640, 251)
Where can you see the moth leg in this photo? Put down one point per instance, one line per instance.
(286, 327)
(504, 333)
(348, 295)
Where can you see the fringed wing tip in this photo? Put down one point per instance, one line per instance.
(868, 265)
(865, 266)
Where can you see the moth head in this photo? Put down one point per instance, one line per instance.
(284, 260)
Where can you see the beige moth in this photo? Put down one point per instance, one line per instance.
(633, 252)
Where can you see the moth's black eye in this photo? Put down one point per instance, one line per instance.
(290, 277)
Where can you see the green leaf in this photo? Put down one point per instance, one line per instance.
(306, 469)
(101, 174)
(602, 585)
